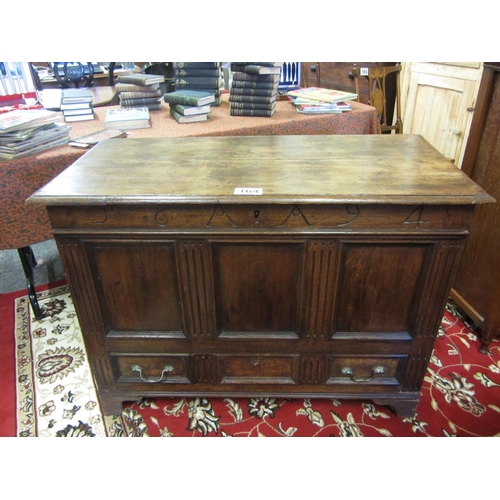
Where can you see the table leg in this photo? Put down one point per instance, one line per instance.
(29, 263)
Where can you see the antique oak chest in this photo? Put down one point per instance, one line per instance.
(286, 266)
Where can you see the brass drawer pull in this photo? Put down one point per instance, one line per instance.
(347, 370)
(137, 368)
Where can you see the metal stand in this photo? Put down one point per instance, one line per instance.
(29, 263)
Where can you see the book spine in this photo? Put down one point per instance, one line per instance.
(254, 69)
(266, 64)
(140, 95)
(242, 84)
(251, 105)
(130, 87)
(246, 77)
(177, 116)
(180, 99)
(211, 81)
(260, 92)
(152, 106)
(197, 72)
(252, 112)
(139, 101)
(196, 65)
(181, 109)
(136, 79)
(251, 98)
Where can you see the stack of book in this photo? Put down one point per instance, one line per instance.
(199, 76)
(254, 88)
(187, 106)
(127, 118)
(27, 131)
(76, 105)
(317, 100)
(139, 90)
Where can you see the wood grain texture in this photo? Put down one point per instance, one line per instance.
(290, 169)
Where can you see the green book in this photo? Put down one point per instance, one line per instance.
(188, 119)
(189, 97)
(190, 110)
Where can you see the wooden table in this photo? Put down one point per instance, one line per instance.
(22, 225)
(280, 266)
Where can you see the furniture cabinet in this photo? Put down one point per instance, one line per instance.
(476, 288)
(437, 102)
(286, 266)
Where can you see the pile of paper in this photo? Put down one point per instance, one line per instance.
(27, 131)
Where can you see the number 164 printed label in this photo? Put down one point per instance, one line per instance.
(248, 191)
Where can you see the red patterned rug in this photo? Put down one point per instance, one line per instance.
(460, 394)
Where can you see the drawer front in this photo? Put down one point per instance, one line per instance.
(151, 369)
(366, 370)
(258, 369)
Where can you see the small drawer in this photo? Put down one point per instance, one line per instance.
(258, 369)
(367, 370)
(156, 369)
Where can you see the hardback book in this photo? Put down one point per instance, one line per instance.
(252, 98)
(189, 97)
(91, 139)
(322, 94)
(152, 106)
(130, 87)
(140, 94)
(256, 69)
(76, 105)
(261, 92)
(252, 84)
(84, 111)
(188, 119)
(252, 112)
(279, 64)
(247, 77)
(208, 81)
(127, 118)
(141, 79)
(139, 101)
(79, 118)
(198, 72)
(252, 105)
(190, 110)
(197, 65)
(76, 95)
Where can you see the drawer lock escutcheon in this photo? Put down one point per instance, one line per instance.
(137, 368)
(347, 370)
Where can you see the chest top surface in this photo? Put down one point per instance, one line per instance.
(394, 169)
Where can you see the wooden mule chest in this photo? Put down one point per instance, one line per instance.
(285, 266)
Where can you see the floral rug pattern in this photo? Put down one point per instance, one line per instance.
(56, 395)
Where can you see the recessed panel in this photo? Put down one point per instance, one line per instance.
(378, 285)
(257, 287)
(139, 286)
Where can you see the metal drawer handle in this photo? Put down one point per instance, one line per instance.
(347, 370)
(137, 368)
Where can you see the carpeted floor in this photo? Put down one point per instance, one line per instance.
(55, 395)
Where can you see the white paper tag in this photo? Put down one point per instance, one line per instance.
(248, 191)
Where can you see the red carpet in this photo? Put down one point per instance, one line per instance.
(460, 397)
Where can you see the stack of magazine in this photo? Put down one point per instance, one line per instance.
(27, 131)
(317, 100)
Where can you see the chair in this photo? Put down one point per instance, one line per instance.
(384, 95)
(73, 73)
